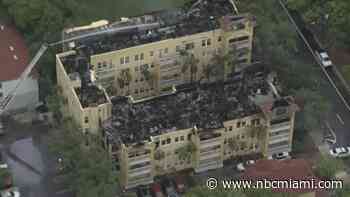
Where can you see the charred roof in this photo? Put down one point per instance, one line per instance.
(201, 16)
(204, 106)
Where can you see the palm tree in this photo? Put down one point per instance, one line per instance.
(193, 63)
(124, 78)
(225, 63)
(185, 153)
(207, 72)
(189, 63)
(257, 131)
(262, 132)
(233, 144)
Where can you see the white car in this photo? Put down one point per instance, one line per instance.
(340, 152)
(240, 167)
(280, 156)
(12, 192)
(250, 162)
(324, 58)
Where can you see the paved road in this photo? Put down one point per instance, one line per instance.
(334, 91)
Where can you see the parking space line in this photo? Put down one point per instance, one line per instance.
(340, 119)
(331, 130)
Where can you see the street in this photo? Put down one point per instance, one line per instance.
(339, 117)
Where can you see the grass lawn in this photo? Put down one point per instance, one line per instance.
(92, 10)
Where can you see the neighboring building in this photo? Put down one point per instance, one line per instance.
(174, 90)
(14, 58)
(286, 170)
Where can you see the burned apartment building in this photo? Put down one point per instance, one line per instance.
(174, 90)
(199, 126)
(144, 56)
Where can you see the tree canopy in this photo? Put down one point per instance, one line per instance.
(333, 16)
(88, 170)
(327, 167)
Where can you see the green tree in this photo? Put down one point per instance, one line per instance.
(88, 171)
(327, 167)
(190, 63)
(330, 17)
(233, 144)
(314, 108)
(185, 153)
(54, 103)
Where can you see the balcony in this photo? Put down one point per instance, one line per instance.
(241, 44)
(210, 154)
(209, 166)
(139, 159)
(144, 180)
(278, 147)
(280, 126)
(210, 142)
(139, 171)
(278, 138)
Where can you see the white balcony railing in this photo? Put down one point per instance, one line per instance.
(280, 126)
(139, 171)
(139, 159)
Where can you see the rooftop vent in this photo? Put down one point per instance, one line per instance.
(2, 27)
(11, 48)
(15, 57)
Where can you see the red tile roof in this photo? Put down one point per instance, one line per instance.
(10, 68)
(295, 169)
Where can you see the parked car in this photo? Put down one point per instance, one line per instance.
(157, 190)
(280, 156)
(11, 192)
(324, 58)
(180, 184)
(250, 162)
(144, 192)
(340, 152)
(240, 167)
